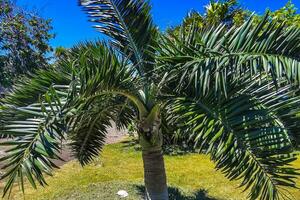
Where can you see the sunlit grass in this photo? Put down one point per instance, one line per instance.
(190, 177)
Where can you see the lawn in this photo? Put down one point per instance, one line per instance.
(190, 177)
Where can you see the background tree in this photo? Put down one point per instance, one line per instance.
(60, 52)
(287, 14)
(24, 41)
(233, 90)
(228, 12)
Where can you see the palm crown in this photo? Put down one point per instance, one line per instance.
(233, 92)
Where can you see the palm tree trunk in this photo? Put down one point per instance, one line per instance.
(151, 141)
(155, 175)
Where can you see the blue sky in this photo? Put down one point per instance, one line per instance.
(71, 26)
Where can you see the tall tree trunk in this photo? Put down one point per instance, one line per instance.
(155, 175)
(151, 141)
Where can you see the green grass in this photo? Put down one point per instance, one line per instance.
(190, 177)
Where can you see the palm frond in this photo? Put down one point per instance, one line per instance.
(99, 87)
(129, 24)
(29, 89)
(245, 133)
(238, 101)
(223, 55)
(35, 130)
(88, 136)
(92, 123)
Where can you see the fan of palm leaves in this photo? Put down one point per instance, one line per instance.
(81, 110)
(236, 97)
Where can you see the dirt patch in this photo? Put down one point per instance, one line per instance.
(113, 136)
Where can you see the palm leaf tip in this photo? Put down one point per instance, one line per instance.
(89, 139)
(129, 24)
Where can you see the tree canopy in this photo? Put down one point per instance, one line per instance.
(24, 41)
(231, 13)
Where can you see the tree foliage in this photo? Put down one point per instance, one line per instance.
(231, 13)
(228, 12)
(287, 14)
(24, 38)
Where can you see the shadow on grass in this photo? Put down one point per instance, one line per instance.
(176, 194)
(130, 143)
(170, 150)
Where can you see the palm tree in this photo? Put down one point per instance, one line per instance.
(233, 92)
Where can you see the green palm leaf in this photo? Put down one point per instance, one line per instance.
(246, 133)
(221, 54)
(99, 87)
(37, 130)
(129, 24)
(236, 97)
